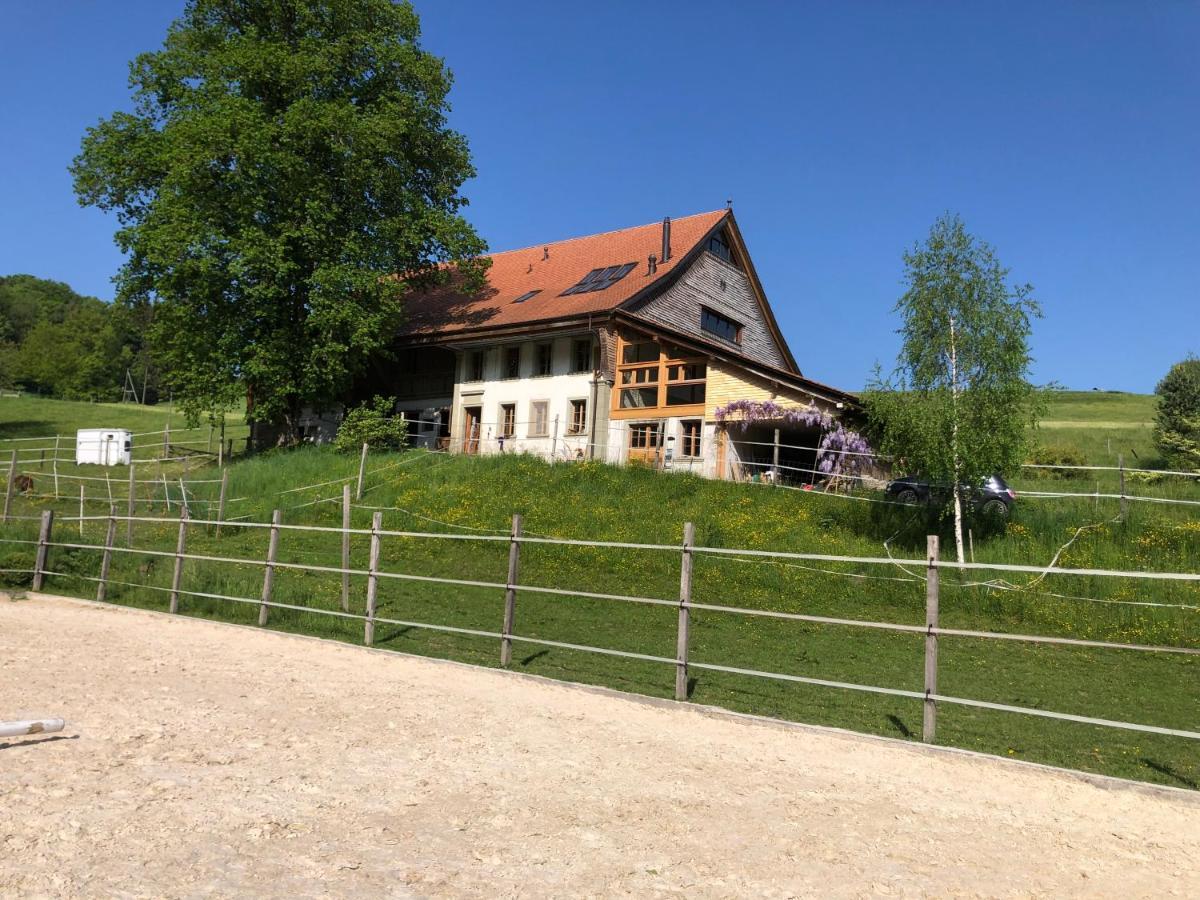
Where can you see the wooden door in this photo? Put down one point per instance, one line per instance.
(471, 424)
(645, 443)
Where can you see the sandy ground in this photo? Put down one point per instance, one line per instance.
(202, 760)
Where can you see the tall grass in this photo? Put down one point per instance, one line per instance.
(589, 501)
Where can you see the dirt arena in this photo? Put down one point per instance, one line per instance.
(202, 760)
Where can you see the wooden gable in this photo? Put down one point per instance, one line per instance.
(724, 290)
(718, 287)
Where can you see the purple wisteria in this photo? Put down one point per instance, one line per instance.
(840, 450)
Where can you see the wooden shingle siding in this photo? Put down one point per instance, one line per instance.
(608, 352)
(701, 285)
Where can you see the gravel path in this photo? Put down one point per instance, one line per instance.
(202, 760)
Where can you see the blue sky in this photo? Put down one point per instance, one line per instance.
(1067, 135)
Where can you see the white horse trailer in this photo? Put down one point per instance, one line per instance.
(103, 447)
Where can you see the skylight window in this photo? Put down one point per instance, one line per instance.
(527, 295)
(599, 279)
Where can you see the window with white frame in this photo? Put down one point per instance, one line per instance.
(544, 361)
(512, 362)
(475, 361)
(581, 355)
(578, 417)
(540, 424)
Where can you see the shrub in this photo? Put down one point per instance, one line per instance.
(1177, 424)
(374, 424)
(1056, 455)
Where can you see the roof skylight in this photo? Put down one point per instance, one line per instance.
(599, 279)
(527, 295)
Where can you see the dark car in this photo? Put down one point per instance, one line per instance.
(993, 498)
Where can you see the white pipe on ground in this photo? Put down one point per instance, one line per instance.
(30, 726)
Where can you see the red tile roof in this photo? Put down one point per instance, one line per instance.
(445, 310)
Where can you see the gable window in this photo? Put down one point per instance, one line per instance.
(539, 427)
(512, 362)
(527, 296)
(475, 360)
(578, 417)
(599, 279)
(720, 326)
(691, 437)
(545, 359)
(508, 419)
(718, 247)
(581, 355)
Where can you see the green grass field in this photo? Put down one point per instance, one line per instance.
(1103, 426)
(460, 496)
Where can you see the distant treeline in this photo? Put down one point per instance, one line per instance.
(56, 342)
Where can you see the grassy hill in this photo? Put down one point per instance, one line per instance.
(1102, 426)
(470, 496)
(30, 417)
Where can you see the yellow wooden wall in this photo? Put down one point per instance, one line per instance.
(727, 383)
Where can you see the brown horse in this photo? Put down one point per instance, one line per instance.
(24, 484)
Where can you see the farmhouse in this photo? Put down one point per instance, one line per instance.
(623, 346)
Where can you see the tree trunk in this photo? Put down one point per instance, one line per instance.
(958, 510)
(958, 521)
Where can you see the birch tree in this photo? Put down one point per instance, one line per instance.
(959, 405)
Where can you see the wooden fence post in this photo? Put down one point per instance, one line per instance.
(346, 547)
(210, 436)
(269, 575)
(221, 499)
(1124, 502)
(166, 450)
(43, 549)
(82, 498)
(180, 545)
(775, 459)
(131, 507)
(54, 469)
(42, 464)
(554, 440)
(106, 558)
(183, 497)
(166, 491)
(510, 591)
(362, 471)
(373, 577)
(929, 720)
(685, 600)
(12, 480)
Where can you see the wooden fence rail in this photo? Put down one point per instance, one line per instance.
(511, 589)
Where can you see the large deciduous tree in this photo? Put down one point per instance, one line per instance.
(283, 159)
(959, 406)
